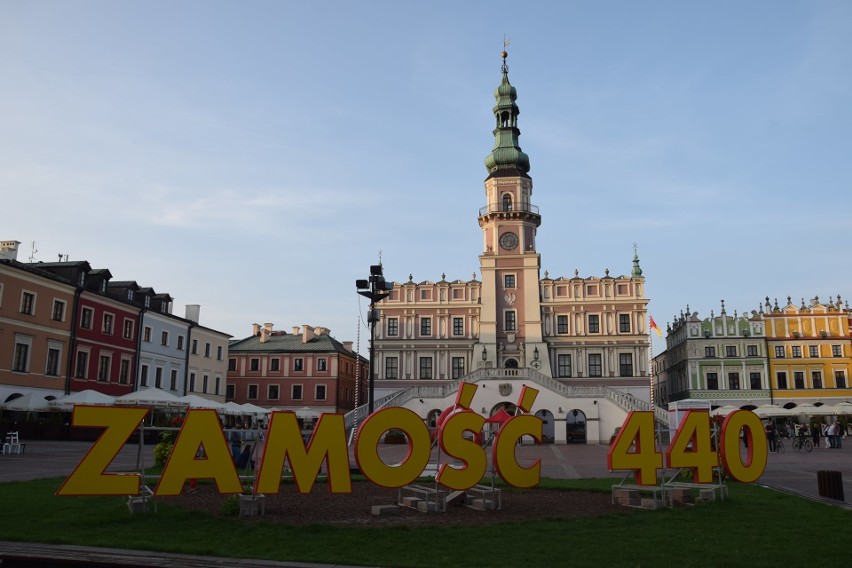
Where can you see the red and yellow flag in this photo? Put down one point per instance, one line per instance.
(654, 326)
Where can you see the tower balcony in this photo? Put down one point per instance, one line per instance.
(505, 212)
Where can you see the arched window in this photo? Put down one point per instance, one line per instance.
(507, 202)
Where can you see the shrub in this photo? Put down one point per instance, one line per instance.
(162, 451)
(230, 507)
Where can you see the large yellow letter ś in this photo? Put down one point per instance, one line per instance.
(454, 444)
(201, 428)
(88, 478)
(328, 442)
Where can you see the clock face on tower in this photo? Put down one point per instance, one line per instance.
(508, 240)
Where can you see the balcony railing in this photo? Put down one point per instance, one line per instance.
(505, 208)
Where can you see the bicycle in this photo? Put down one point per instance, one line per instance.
(779, 445)
(802, 442)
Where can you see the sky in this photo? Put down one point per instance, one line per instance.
(256, 157)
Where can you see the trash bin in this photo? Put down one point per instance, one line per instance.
(830, 484)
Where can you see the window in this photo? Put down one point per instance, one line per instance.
(218, 385)
(594, 324)
(146, 334)
(207, 350)
(779, 352)
(296, 392)
(21, 361)
(275, 364)
(81, 372)
(164, 339)
(509, 320)
(393, 327)
(625, 364)
(322, 364)
(143, 376)
(840, 379)
(272, 392)
(457, 367)
(595, 368)
(158, 378)
(124, 372)
(173, 380)
(563, 365)
(205, 383)
(734, 381)
(425, 367)
(391, 368)
(509, 281)
(799, 379)
(180, 343)
(709, 351)
(192, 382)
(128, 328)
(51, 368)
(426, 326)
(28, 303)
(836, 351)
(624, 323)
(218, 352)
(232, 364)
(458, 326)
(781, 377)
(712, 381)
(816, 379)
(230, 392)
(730, 351)
(754, 381)
(252, 392)
(103, 368)
(254, 364)
(58, 313)
(298, 364)
(751, 350)
(320, 392)
(86, 318)
(561, 324)
(108, 323)
(797, 351)
(195, 347)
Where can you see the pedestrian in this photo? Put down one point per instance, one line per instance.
(815, 431)
(838, 435)
(770, 436)
(831, 434)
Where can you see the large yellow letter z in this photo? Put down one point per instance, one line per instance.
(88, 478)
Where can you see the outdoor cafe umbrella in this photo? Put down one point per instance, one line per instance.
(32, 402)
(195, 401)
(86, 397)
(154, 397)
(811, 410)
(724, 410)
(841, 408)
(771, 411)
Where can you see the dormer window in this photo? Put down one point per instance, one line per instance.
(130, 295)
(147, 301)
(82, 281)
(103, 287)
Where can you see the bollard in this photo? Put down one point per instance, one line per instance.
(830, 484)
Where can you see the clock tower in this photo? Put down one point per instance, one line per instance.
(510, 324)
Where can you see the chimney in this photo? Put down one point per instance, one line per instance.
(347, 345)
(9, 249)
(307, 333)
(255, 329)
(264, 334)
(193, 312)
(295, 330)
(268, 327)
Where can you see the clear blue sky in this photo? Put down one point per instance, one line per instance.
(254, 157)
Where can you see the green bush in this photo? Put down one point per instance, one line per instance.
(162, 451)
(230, 507)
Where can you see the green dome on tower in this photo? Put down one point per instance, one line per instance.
(506, 158)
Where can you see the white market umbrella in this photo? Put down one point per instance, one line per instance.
(231, 408)
(249, 408)
(771, 411)
(811, 410)
(195, 401)
(32, 402)
(723, 410)
(86, 397)
(841, 408)
(154, 397)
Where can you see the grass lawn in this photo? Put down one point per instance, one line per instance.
(755, 527)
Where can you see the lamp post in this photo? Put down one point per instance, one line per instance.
(376, 289)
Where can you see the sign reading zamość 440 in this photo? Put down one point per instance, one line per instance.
(691, 447)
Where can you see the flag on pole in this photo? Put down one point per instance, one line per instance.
(654, 326)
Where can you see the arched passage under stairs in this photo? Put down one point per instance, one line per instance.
(575, 427)
(548, 426)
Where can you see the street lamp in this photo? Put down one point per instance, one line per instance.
(376, 289)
